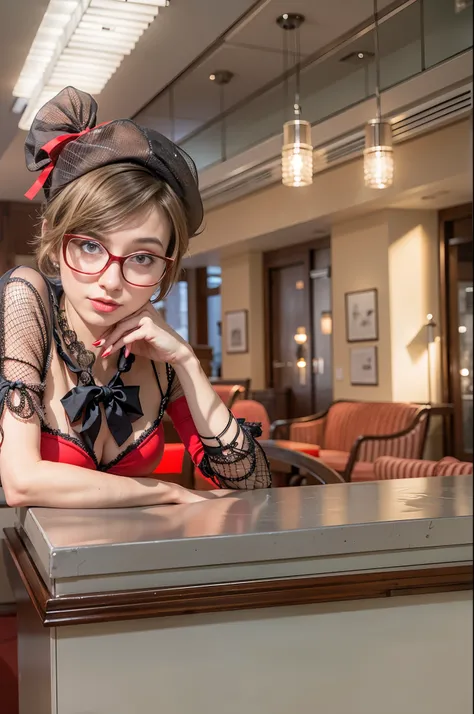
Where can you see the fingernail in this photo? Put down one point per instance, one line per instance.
(107, 352)
(98, 343)
(127, 352)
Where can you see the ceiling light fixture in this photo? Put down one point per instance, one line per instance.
(80, 43)
(297, 151)
(460, 5)
(378, 153)
(360, 58)
(222, 77)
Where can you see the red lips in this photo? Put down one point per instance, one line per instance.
(104, 305)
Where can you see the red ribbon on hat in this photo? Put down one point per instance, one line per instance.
(53, 148)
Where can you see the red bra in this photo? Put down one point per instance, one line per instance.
(140, 458)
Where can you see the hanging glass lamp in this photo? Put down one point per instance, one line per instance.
(297, 154)
(378, 154)
(297, 150)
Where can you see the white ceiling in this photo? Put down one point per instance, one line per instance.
(180, 34)
(253, 52)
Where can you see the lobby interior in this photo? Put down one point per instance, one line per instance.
(333, 306)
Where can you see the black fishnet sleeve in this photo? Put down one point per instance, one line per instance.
(233, 459)
(25, 340)
(239, 461)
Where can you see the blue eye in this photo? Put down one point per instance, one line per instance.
(143, 260)
(91, 248)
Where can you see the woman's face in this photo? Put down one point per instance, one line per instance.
(104, 299)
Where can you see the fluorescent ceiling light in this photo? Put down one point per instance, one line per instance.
(80, 43)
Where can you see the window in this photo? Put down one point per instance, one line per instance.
(214, 281)
(174, 309)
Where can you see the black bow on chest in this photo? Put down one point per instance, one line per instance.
(121, 405)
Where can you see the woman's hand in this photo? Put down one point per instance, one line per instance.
(146, 334)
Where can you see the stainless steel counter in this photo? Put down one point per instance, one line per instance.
(277, 532)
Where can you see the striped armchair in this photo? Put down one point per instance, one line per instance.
(390, 467)
(352, 435)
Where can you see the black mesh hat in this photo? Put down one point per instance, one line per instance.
(65, 142)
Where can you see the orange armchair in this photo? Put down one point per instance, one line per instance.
(391, 467)
(252, 411)
(352, 435)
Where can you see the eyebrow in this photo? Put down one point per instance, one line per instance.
(149, 240)
(146, 240)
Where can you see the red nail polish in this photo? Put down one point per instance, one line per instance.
(107, 352)
(127, 352)
(98, 343)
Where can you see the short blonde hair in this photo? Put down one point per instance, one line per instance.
(107, 199)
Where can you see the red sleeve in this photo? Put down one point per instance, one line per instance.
(180, 415)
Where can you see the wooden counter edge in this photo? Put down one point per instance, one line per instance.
(218, 597)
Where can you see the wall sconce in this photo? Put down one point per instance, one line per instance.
(326, 323)
(300, 358)
(301, 337)
(430, 327)
(430, 338)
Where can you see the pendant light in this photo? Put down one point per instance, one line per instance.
(222, 77)
(378, 153)
(460, 5)
(297, 151)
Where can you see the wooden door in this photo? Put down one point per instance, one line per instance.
(322, 329)
(460, 311)
(289, 317)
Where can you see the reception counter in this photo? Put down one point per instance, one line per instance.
(339, 599)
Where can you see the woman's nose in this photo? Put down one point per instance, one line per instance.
(111, 278)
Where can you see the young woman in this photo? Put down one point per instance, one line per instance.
(87, 365)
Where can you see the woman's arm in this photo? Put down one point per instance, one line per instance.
(29, 481)
(225, 450)
(232, 457)
(209, 413)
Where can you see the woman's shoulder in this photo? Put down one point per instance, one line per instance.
(29, 277)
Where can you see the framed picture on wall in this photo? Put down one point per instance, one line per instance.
(364, 368)
(236, 336)
(362, 316)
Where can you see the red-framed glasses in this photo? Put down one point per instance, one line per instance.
(89, 257)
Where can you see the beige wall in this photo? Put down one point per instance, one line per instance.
(413, 258)
(359, 261)
(395, 252)
(242, 289)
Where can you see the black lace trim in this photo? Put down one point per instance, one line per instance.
(73, 439)
(215, 457)
(85, 358)
(26, 406)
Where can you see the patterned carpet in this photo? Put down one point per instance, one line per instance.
(8, 666)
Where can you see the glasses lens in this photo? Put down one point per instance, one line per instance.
(144, 269)
(85, 255)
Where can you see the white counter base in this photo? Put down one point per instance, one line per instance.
(403, 655)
